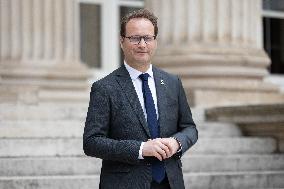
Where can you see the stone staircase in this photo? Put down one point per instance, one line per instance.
(41, 147)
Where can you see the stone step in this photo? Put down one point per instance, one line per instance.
(74, 128)
(44, 166)
(235, 180)
(232, 180)
(48, 182)
(41, 147)
(235, 162)
(248, 114)
(198, 114)
(41, 129)
(234, 145)
(73, 146)
(45, 111)
(218, 129)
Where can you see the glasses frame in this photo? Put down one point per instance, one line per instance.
(140, 38)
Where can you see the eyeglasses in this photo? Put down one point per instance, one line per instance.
(137, 39)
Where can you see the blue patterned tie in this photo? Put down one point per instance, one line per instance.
(158, 169)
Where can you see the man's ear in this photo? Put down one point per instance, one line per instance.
(121, 41)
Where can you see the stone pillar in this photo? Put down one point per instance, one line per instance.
(216, 48)
(39, 49)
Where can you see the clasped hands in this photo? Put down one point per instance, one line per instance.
(161, 148)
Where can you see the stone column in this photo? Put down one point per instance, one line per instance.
(216, 48)
(39, 49)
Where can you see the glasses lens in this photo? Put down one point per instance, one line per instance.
(148, 38)
(135, 39)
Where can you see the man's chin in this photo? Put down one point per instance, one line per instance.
(143, 61)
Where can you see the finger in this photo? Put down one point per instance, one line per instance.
(157, 155)
(160, 151)
(166, 152)
(167, 143)
(166, 149)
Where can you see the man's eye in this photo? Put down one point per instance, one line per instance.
(135, 38)
(147, 38)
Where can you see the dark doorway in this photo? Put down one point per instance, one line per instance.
(273, 30)
(274, 43)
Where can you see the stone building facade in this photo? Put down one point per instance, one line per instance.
(215, 46)
(52, 50)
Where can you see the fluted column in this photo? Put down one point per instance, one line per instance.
(39, 30)
(39, 50)
(5, 29)
(186, 22)
(216, 48)
(26, 20)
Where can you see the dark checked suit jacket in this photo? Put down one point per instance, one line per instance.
(115, 127)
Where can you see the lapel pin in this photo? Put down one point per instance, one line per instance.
(162, 82)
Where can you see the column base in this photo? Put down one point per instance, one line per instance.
(34, 83)
(217, 77)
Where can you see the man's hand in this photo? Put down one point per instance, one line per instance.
(172, 144)
(156, 148)
(160, 148)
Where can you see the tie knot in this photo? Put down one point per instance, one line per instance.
(144, 77)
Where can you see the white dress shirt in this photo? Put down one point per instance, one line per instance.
(137, 82)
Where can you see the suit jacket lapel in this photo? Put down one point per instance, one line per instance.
(127, 87)
(161, 98)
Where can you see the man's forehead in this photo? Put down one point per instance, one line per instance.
(139, 24)
(134, 20)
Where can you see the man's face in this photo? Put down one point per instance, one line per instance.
(142, 53)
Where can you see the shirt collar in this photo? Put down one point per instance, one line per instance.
(134, 74)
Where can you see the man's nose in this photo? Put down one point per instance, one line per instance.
(142, 42)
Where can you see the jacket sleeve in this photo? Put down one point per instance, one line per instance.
(188, 134)
(96, 142)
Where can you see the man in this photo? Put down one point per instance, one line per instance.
(138, 121)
